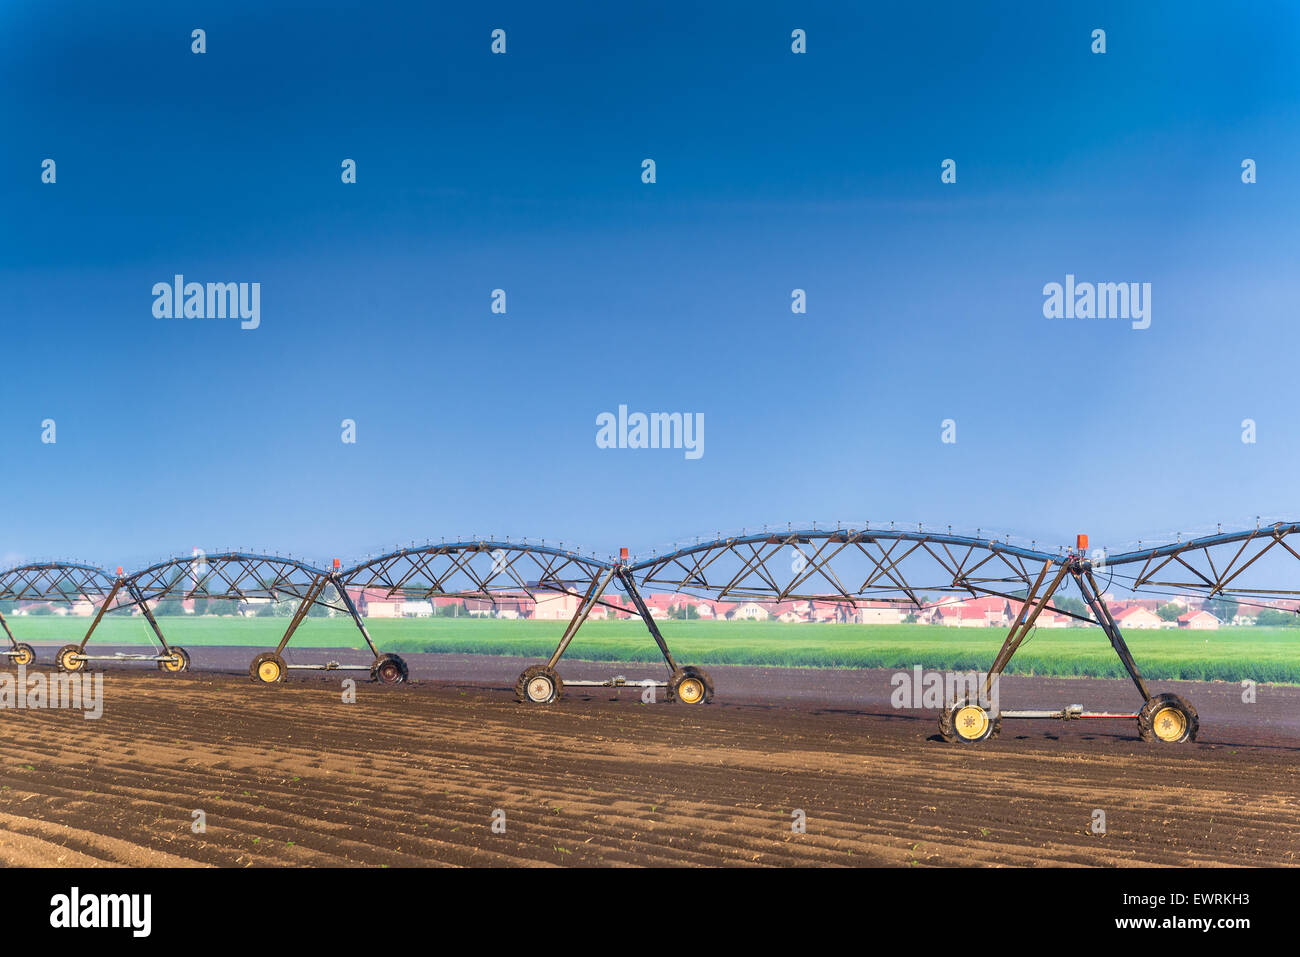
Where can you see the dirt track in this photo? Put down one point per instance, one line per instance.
(411, 775)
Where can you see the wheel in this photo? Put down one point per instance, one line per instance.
(1169, 719)
(67, 661)
(690, 685)
(268, 668)
(22, 654)
(389, 670)
(181, 662)
(539, 685)
(968, 722)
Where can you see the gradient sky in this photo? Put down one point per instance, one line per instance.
(522, 171)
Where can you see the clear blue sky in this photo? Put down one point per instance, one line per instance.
(775, 171)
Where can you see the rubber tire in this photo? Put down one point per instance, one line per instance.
(1147, 716)
(399, 676)
(948, 728)
(23, 650)
(690, 671)
(267, 656)
(185, 662)
(73, 667)
(521, 686)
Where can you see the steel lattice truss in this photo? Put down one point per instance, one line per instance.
(846, 565)
(1252, 564)
(231, 575)
(55, 581)
(486, 570)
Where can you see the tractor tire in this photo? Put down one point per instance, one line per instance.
(1168, 719)
(176, 667)
(268, 668)
(966, 722)
(539, 685)
(390, 670)
(690, 685)
(67, 663)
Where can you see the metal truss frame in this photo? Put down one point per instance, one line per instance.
(243, 576)
(848, 567)
(495, 570)
(50, 582)
(743, 568)
(1193, 562)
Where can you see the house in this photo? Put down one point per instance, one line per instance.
(514, 606)
(1050, 619)
(555, 606)
(611, 606)
(448, 605)
(417, 609)
(691, 605)
(657, 606)
(947, 615)
(789, 612)
(833, 611)
(1135, 616)
(748, 611)
(990, 611)
(373, 603)
(82, 607)
(480, 607)
(879, 613)
(1198, 621)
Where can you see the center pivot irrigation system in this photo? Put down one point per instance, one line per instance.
(226, 576)
(848, 568)
(495, 571)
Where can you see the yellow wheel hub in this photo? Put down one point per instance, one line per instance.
(691, 691)
(1170, 724)
(23, 658)
(174, 664)
(971, 721)
(268, 671)
(71, 663)
(539, 689)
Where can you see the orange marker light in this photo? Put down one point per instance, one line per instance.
(336, 564)
(119, 569)
(622, 554)
(1082, 542)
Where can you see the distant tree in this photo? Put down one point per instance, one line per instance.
(41, 610)
(221, 606)
(1169, 611)
(1069, 603)
(1276, 618)
(169, 606)
(1223, 608)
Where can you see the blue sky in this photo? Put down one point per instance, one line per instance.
(775, 171)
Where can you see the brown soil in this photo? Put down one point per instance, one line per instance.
(411, 775)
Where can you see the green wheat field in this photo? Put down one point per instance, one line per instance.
(1229, 654)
